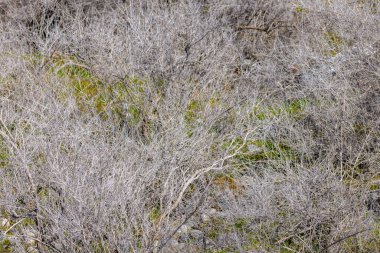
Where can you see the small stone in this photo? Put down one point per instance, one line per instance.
(205, 217)
(184, 229)
(212, 211)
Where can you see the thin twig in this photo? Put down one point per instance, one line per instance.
(200, 202)
(344, 238)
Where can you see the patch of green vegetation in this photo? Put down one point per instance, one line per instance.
(28, 222)
(4, 154)
(224, 250)
(371, 4)
(124, 100)
(154, 214)
(81, 83)
(335, 43)
(374, 183)
(33, 58)
(4, 214)
(290, 246)
(192, 114)
(374, 7)
(293, 109)
(6, 246)
(260, 238)
(214, 101)
(192, 111)
(257, 150)
(8, 85)
(240, 223)
(138, 234)
(361, 128)
(373, 244)
(216, 227)
(39, 159)
(135, 114)
(267, 238)
(299, 8)
(100, 247)
(252, 244)
(206, 9)
(43, 192)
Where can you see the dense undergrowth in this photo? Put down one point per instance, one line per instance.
(189, 126)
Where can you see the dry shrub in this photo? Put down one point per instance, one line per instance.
(252, 124)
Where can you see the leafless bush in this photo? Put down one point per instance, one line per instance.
(198, 126)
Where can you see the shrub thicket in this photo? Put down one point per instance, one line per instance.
(189, 126)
